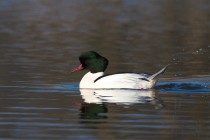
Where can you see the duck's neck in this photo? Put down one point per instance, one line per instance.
(89, 79)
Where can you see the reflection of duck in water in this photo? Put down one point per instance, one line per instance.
(93, 111)
(126, 97)
(94, 105)
(95, 78)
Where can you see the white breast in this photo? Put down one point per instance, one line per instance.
(88, 80)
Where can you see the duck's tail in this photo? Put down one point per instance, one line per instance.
(156, 75)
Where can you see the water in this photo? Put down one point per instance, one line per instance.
(40, 42)
(177, 110)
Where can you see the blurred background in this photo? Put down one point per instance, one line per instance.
(40, 41)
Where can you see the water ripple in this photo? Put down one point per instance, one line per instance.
(184, 87)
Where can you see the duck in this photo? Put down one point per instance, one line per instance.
(96, 78)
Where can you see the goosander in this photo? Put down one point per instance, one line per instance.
(96, 79)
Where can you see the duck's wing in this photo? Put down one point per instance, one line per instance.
(128, 80)
(125, 80)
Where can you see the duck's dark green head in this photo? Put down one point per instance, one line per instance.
(92, 61)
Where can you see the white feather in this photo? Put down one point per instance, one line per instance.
(125, 80)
